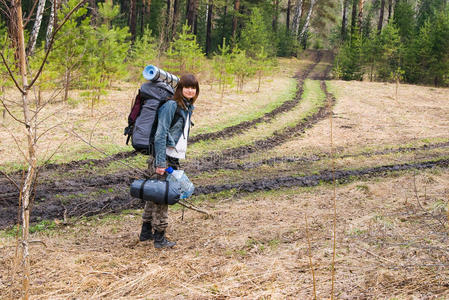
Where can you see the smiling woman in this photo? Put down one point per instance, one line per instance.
(170, 145)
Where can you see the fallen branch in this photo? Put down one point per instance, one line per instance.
(193, 207)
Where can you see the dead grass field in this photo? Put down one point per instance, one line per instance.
(388, 247)
(392, 231)
(367, 116)
(105, 128)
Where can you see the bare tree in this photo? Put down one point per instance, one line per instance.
(287, 21)
(29, 121)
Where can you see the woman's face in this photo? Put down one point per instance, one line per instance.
(189, 92)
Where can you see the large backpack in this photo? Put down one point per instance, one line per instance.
(142, 120)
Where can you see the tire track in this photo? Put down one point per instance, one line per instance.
(244, 126)
(49, 209)
(215, 161)
(226, 132)
(341, 176)
(314, 158)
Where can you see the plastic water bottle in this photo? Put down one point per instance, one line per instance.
(180, 177)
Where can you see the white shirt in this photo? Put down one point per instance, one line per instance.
(179, 151)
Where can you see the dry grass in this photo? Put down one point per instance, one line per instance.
(391, 232)
(105, 127)
(368, 116)
(256, 248)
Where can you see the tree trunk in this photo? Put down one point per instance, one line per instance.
(168, 24)
(353, 16)
(93, 10)
(307, 22)
(66, 84)
(195, 22)
(235, 19)
(30, 132)
(381, 17)
(275, 15)
(390, 8)
(36, 27)
(360, 16)
(191, 13)
(51, 22)
(297, 17)
(225, 14)
(133, 19)
(209, 27)
(175, 16)
(287, 21)
(344, 19)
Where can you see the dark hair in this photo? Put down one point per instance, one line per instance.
(187, 80)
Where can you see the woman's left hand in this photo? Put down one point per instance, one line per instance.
(160, 171)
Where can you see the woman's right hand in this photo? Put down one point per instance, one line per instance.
(160, 171)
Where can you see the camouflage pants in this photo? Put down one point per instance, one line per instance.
(157, 214)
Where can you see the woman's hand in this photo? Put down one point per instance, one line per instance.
(160, 171)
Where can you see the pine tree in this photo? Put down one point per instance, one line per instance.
(184, 54)
(70, 48)
(348, 63)
(223, 67)
(108, 48)
(143, 53)
(255, 35)
(390, 53)
(432, 46)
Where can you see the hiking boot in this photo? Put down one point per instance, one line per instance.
(147, 232)
(160, 241)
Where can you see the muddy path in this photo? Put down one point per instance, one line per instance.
(216, 160)
(340, 176)
(231, 165)
(68, 199)
(226, 132)
(286, 106)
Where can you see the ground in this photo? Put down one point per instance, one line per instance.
(311, 155)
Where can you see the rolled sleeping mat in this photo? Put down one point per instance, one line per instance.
(153, 73)
(157, 191)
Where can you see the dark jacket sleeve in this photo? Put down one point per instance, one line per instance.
(166, 114)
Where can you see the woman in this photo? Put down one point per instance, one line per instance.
(170, 145)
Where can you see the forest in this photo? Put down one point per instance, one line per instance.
(381, 40)
(319, 155)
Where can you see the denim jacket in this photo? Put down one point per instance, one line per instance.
(168, 134)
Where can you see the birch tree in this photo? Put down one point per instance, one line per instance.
(36, 27)
(28, 120)
(305, 28)
(297, 17)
